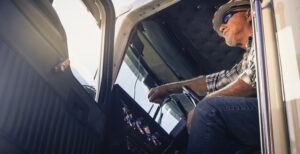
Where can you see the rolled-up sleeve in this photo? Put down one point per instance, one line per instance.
(245, 70)
(220, 79)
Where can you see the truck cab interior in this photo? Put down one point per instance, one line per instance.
(52, 103)
(177, 43)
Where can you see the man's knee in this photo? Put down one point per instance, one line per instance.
(210, 104)
(206, 110)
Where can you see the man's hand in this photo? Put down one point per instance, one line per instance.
(158, 94)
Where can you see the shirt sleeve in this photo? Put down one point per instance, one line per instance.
(245, 70)
(220, 79)
(249, 74)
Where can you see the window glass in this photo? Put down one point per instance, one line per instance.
(131, 78)
(84, 41)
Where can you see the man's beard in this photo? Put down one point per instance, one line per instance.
(230, 43)
(233, 42)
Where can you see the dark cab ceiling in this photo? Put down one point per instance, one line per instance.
(188, 23)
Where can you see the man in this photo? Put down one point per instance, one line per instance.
(226, 121)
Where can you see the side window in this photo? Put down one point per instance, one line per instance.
(136, 79)
(84, 42)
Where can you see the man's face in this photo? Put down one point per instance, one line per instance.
(234, 28)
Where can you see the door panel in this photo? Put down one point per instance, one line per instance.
(41, 111)
(286, 37)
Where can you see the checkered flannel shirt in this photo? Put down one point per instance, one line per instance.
(244, 70)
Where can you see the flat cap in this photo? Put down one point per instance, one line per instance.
(224, 9)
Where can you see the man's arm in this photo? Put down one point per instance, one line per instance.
(197, 84)
(236, 88)
(200, 85)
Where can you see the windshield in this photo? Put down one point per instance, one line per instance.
(136, 80)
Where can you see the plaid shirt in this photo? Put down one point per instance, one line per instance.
(244, 70)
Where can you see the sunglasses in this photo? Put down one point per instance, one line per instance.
(229, 14)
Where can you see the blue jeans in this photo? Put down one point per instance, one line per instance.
(223, 125)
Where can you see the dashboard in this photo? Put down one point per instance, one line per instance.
(133, 130)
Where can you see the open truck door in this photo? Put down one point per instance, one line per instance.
(45, 106)
(277, 33)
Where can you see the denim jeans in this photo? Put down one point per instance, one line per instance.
(223, 125)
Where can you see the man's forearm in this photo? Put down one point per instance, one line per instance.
(157, 94)
(197, 84)
(237, 88)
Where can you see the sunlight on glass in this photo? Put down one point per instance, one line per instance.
(83, 36)
(126, 79)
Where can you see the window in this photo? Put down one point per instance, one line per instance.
(84, 42)
(135, 80)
